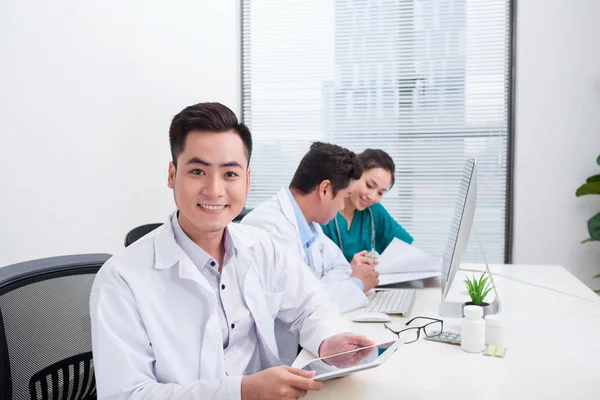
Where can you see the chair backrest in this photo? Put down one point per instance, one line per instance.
(242, 214)
(138, 232)
(74, 373)
(45, 335)
(142, 230)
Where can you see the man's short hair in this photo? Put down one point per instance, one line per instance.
(325, 161)
(207, 117)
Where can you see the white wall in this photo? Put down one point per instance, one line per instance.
(87, 91)
(557, 133)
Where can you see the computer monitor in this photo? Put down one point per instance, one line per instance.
(460, 229)
(458, 238)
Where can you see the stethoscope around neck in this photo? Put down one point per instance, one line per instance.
(337, 228)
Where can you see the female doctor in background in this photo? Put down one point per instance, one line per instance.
(364, 225)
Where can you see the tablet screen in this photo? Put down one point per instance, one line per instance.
(352, 358)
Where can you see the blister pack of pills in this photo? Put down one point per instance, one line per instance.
(445, 337)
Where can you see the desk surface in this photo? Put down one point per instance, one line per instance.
(553, 342)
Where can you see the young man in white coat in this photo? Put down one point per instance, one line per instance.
(292, 216)
(188, 311)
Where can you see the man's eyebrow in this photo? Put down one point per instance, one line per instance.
(231, 164)
(196, 160)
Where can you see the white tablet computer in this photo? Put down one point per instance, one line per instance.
(347, 362)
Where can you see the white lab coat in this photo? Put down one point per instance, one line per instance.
(326, 260)
(155, 328)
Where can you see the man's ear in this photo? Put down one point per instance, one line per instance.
(248, 181)
(171, 176)
(325, 189)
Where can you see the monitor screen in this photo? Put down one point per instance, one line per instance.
(460, 229)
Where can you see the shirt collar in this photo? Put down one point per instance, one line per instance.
(199, 257)
(307, 231)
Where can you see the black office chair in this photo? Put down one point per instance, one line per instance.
(142, 230)
(138, 232)
(242, 214)
(45, 336)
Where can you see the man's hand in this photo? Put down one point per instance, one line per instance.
(363, 258)
(343, 342)
(363, 268)
(368, 276)
(278, 383)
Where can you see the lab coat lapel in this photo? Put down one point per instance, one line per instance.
(254, 296)
(288, 212)
(168, 254)
(286, 206)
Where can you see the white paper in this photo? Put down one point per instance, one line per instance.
(388, 279)
(400, 256)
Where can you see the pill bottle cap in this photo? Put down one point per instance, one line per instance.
(494, 320)
(473, 312)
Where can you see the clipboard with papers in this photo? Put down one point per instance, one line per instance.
(402, 262)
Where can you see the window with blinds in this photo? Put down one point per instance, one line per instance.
(425, 80)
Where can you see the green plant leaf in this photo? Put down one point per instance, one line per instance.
(469, 286)
(482, 283)
(485, 293)
(473, 296)
(471, 290)
(486, 289)
(597, 291)
(478, 288)
(594, 226)
(596, 276)
(588, 240)
(594, 178)
(598, 160)
(588, 188)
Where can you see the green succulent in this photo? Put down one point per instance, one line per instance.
(478, 288)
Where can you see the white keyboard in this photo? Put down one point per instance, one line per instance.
(393, 301)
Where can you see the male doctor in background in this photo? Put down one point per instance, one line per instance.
(292, 216)
(188, 311)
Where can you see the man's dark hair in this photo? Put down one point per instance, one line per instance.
(375, 158)
(326, 161)
(211, 117)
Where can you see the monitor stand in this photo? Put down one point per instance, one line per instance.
(454, 309)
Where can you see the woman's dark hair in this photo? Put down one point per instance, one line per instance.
(325, 161)
(208, 117)
(376, 158)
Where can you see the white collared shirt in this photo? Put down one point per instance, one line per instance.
(156, 332)
(237, 325)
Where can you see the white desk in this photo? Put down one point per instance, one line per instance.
(553, 343)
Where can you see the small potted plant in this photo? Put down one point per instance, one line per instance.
(478, 289)
(592, 186)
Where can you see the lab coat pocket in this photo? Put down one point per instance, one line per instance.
(274, 303)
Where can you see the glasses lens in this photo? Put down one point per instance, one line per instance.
(410, 335)
(433, 329)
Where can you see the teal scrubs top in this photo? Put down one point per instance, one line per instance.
(358, 238)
